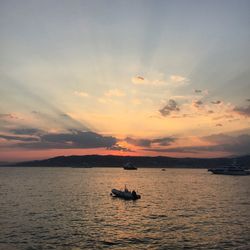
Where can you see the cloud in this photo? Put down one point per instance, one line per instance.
(235, 144)
(197, 104)
(7, 116)
(245, 111)
(159, 79)
(7, 120)
(138, 142)
(117, 147)
(197, 91)
(200, 91)
(187, 115)
(221, 143)
(136, 101)
(64, 115)
(140, 80)
(79, 139)
(18, 138)
(182, 97)
(223, 117)
(70, 139)
(114, 92)
(165, 141)
(216, 102)
(169, 108)
(81, 93)
(172, 150)
(108, 100)
(182, 116)
(178, 79)
(26, 131)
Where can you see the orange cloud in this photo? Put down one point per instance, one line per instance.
(81, 93)
(114, 92)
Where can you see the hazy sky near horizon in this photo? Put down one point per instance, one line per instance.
(124, 77)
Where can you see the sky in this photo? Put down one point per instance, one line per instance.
(116, 77)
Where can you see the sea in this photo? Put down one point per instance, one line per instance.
(71, 208)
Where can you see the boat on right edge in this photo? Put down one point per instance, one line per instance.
(233, 169)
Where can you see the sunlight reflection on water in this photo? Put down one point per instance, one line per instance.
(70, 208)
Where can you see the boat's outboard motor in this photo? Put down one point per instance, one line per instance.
(134, 194)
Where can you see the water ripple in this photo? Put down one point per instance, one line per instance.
(67, 208)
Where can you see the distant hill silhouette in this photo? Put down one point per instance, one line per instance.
(138, 161)
(4, 163)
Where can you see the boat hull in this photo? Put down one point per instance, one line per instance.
(124, 195)
(227, 172)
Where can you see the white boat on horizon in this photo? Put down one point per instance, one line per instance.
(233, 169)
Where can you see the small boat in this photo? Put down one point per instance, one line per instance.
(129, 166)
(234, 169)
(125, 194)
(163, 169)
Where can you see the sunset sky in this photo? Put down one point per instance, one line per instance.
(122, 77)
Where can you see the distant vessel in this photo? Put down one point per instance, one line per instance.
(163, 169)
(129, 166)
(125, 194)
(234, 169)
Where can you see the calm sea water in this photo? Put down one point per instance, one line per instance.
(71, 208)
